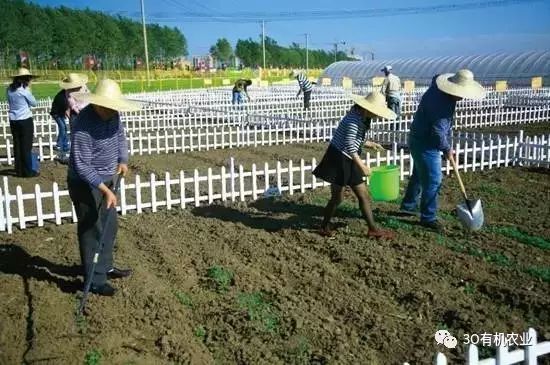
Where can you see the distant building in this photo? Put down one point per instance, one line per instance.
(203, 62)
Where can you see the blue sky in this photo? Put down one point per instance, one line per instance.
(515, 27)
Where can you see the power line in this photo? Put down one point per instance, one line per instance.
(250, 17)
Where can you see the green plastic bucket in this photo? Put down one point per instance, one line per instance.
(384, 183)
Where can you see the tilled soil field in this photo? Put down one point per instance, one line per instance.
(252, 283)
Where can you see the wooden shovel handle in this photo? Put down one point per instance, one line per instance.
(455, 168)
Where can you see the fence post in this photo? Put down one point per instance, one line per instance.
(210, 187)
(2, 219)
(241, 183)
(531, 349)
(232, 174)
(20, 207)
(153, 187)
(472, 355)
(138, 194)
(440, 359)
(38, 198)
(521, 155)
(254, 185)
(182, 189)
(196, 185)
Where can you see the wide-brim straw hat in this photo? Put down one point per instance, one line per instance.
(461, 84)
(108, 95)
(73, 81)
(22, 72)
(375, 103)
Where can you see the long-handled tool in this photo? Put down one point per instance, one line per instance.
(470, 213)
(98, 252)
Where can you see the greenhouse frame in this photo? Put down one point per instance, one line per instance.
(516, 68)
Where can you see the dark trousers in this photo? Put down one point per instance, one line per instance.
(93, 219)
(22, 132)
(307, 98)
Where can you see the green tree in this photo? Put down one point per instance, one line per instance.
(68, 35)
(222, 50)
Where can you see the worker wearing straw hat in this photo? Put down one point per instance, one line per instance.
(430, 135)
(62, 110)
(20, 101)
(99, 151)
(341, 165)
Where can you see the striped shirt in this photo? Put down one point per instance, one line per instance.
(97, 147)
(350, 134)
(304, 83)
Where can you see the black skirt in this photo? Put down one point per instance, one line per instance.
(338, 169)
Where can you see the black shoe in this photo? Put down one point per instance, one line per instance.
(433, 225)
(115, 273)
(105, 290)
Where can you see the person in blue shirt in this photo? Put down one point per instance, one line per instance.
(430, 135)
(20, 100)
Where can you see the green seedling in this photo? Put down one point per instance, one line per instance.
(221, 277)
(498, 259)
(469, 289)
(539, 272)
(184, 299)
(442, 326)
(92, 357)
(300, 351)
(259, 310)
(491, 189)
(200, 332)
(520, 236)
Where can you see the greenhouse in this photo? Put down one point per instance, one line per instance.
(516, 68)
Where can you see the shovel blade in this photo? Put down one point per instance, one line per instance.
(472, 219)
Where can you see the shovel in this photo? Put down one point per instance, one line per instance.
(98, 252)
(470, 213)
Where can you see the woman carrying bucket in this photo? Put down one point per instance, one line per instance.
(341, 165)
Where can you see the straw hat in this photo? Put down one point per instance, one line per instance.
(461, 84)
(375, 103)
(73, 81)
(24, 72)
(108, 95)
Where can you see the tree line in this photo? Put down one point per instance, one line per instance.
(64, 36)
(250, 53)
(61, 37)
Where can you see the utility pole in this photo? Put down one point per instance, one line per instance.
(263, 41)
(307, 53)
(336, 48)
(145, 42)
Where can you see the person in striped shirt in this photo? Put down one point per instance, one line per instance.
(342, 166)
(99, 152)
(305, 86)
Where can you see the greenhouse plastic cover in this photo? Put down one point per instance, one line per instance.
(516, 68)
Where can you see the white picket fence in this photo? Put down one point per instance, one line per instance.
(195, 188)
(208, 109)
(528, 355)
